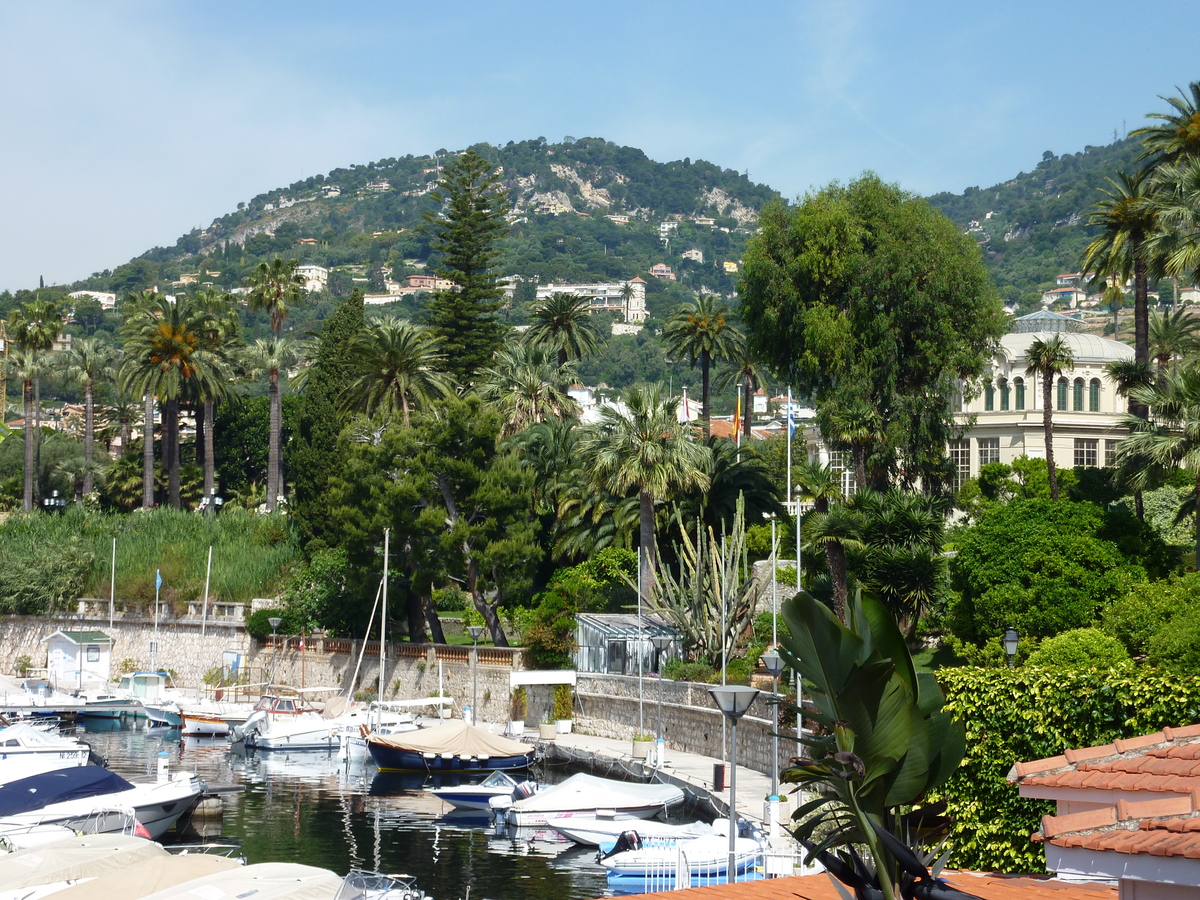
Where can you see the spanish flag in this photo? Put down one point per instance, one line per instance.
(737, 421)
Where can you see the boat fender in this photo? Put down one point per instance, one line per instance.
(626, 840)
(139, 830)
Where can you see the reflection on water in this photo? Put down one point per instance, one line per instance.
(313, 808)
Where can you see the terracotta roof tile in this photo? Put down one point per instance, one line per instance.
(1080, 821)
(1041, 765)
(1187, 731)
(1085, 753)
(1125, 745)
(1142, 809)
(820, 887)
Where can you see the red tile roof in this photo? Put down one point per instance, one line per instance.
(1166, 761)
(820, 887)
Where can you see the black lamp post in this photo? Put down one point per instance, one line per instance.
(275, 622)
(774, 666)
(661, 642)
(733, 700)
(476, 631)
(212, 504)
(54, 503)
(1011, 639)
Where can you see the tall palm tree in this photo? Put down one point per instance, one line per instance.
(89, 360)
(835, 532)
(166, 358)
(271, 357)
(742, 366)
(1126, 218)
(701, 332)
(820, 485)
(1173, 335)
(627, 293)
(35, 327)
(1171, 434)
(859, 426)
(274, 288)
(525, 386)
(1174, 246)
(1179, 133)
(29, 366)
(221, 339)
(563, 324)
(395, 364)
(1126, 375)
(1049, 359)
(639, 445)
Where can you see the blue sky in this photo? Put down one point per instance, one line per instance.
(126, 124)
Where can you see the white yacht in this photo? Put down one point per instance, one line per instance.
(26, 750)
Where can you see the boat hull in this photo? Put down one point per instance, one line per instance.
(161, 715)
(195, 725)
(394, 759)
(527, 818)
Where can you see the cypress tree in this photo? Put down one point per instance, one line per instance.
(314, 450)
(465, 228)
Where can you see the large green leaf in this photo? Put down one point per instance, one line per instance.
(910, 780)
(887, 639)
(819, 646)
(949, 742)
(875, 706)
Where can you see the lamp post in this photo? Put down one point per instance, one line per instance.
(54, 503)
(773, 663)
(661, 642)
(733, 700)
(211, 504)
(476, 631)
(274, 620)
(1011, 639)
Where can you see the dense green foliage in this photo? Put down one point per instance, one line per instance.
(1013, 715)
(1079, 648)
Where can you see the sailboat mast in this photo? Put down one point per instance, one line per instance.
(383, 619)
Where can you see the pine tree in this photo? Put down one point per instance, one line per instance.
(465, 229)
(314, 451)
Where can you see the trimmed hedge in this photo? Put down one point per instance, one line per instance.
(1013, 715)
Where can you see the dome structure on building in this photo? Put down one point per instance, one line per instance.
(1085, 348)
(1044, 320)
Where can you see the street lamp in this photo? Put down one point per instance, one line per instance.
(661, 642)
(773, 663)
(1010, 644)
(733, 700)
(211, 504)
(475, 631)
(275, 622)
(54, 503)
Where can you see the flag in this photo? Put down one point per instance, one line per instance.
(791, 418)
(157, 579)
(687, 412)
(737, 419)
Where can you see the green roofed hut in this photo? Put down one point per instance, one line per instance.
(78, 660)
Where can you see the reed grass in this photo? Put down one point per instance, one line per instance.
(251, 552)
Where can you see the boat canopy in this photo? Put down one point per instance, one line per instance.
(149, 876)
(87, 856)
(590, 792)
(32, 793)
(263, 881)
(25, 735)
(455, 737)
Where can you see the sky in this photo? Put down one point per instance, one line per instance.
(126, 124)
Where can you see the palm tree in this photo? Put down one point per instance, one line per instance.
(166, 358)
(525, 386)
(1171, 434)
(35, 327)
(563, 323)
(274, 287)
(88, 361)
(627, 293)
(1126, 218)
(1179, 133)
(1174, 246)
(270, 357)
(743, 367)
(29, 366)
(859, 426)
(703, 331)
(820, 485)
(1128, 374)
(219, 340)
(639, 445)
(835, 532)
(1048, 359)
(395, 364)
(1173, 335)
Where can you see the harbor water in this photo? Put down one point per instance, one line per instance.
(312, 808)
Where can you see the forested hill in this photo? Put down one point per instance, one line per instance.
(361, 222)
(1031, 227)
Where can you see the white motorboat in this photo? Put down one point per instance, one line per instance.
(703, 857)
(65, 862)
(149, 876)
(389, 717)
(26, 750)
(479, 796)
(603, 831)
(587, 796)
(95, 796)
(213, 718)
(263, 881)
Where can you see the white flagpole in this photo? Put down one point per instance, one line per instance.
(154, 645)
(207, 582)
(383, 618)
(112, 585)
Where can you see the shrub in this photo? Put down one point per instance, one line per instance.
(1147, 608)
(683, 670)
(1176, 646)
(550, 637)
(1079, 648)
(258, 625)
(564, 702)
(518, 704)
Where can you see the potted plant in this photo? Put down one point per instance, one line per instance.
(641, 745)
(516, 711)
(546, 728)
(563, 705)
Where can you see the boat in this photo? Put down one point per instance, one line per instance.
(287, 722)
(150, 876)
(388, 718)
(603, 831)
(262, 881)
(97, 796)
(453, 747)
(478, 796)
(107, 704)
(26, 750)
(158, 698)
(587, 796)
(703, 857)
(73, 859)
(213, 718)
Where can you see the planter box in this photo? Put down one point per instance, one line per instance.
(546, 732)
(641, 749)
(563, 726)
(516, 727)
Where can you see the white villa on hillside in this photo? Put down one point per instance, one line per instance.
(316, 278)
(601, 296)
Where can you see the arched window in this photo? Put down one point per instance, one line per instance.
(1094, 395)
(1005, 392)
(989, 397)
(1078, 395)
(1020, 385)
(1062, 393)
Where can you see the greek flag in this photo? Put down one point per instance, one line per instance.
(791, 417)
(157, 579)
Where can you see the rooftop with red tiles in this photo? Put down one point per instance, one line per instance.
(820, 887)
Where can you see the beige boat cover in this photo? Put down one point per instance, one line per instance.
(263, 881)
(148, 876)
(88, 856)
(457, 738)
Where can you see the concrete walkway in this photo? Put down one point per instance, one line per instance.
(691, 772)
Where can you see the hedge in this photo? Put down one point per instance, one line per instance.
(1013, 715)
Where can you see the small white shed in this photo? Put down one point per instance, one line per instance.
(76, 660)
